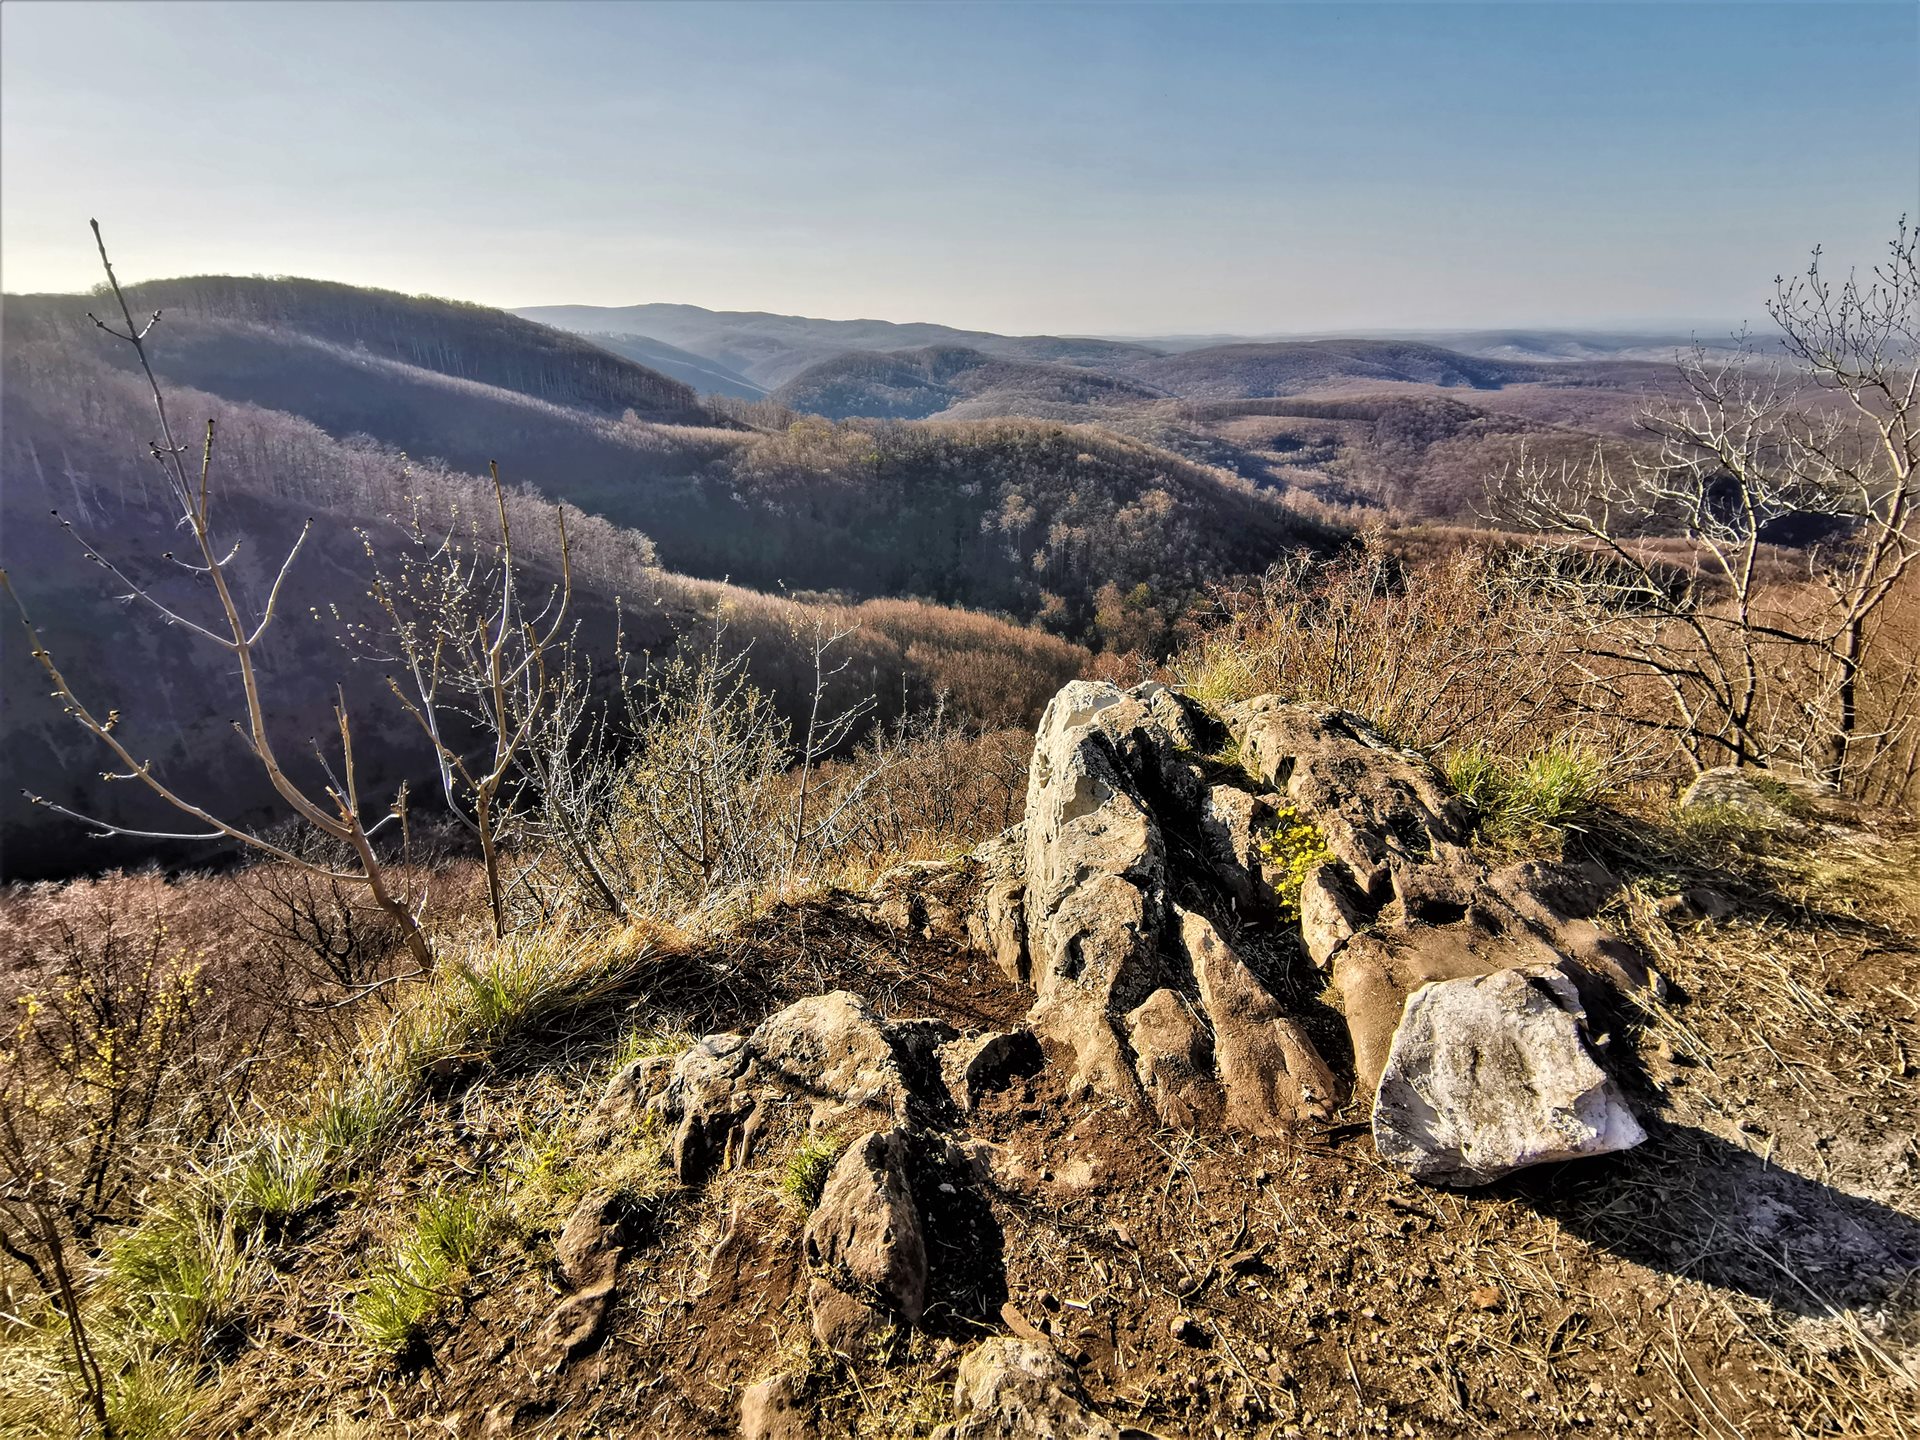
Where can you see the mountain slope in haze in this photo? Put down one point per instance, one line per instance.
(1229, 372)
(73, 429)
(1026, 519)
(953, 381)
(444, 337)
(771, 349)
(709, 377)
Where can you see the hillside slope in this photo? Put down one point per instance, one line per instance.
(771, 349)
(72, 443)
(709, 377)
(860, 513)
(1226, 372)
(446, 337)
(954, 382)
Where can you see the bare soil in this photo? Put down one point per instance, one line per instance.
(1752, 1270)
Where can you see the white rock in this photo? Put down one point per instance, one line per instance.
(1489, 1074)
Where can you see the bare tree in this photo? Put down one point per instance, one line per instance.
(475, 662)
(338, 812)
(1776, 479)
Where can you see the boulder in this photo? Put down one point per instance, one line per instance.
(828, 1053)
(997, 924)
(1330, 912)
(865, 1246)
(707, 1099)
(1768, 796)
(1011, 1389)
(1271, 1073)
(1096, 901)
(1173, 1056)
(629, 1089)
(1489, 1074)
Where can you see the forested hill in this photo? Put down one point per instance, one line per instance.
(446, 337)
(771, 349)
(955, 381)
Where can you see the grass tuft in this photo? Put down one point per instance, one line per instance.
(181, 1274)
(278, 1179)
(404, 1290)
(804, 1176)
(1555, 790)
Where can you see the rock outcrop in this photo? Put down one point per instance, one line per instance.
(1096, 885)
(1196, 905)
(828, 1054)
(1271, 1073)
(1143, 858)
(865, 1246)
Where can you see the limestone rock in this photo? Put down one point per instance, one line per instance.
(774, 1409)
(1012, 1389)
(1330, 913)
(833, 1044)
(865, 1245)
(1379, 970)
(588, 1251)
(1731, 786)
(997, 923)
(706, 1099)
(1374, 803)
(922, 897)
(828, 1052)
(1489, 1074)
(1272, 1075)
(1229, 823)
(629, 1089)
(1173, 1055)
(1096, 902)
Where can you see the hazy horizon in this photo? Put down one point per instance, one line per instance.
(1087, 170)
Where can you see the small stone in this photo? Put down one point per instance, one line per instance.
(1188, 1331)
(774, 1409)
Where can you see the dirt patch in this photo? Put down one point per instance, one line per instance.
(1752, 1270)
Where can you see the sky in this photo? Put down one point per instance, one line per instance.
(1086, 169)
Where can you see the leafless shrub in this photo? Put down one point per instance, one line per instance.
(1821, 456)
(1432, 652)
(470, 661)
(339, 812)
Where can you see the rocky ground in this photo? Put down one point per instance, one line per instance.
(1242, 1090)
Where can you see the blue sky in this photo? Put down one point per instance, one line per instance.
(1071, 168)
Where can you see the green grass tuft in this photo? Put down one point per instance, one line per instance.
(805, 1175)
(276, 1180)
(1555, 790)
(181, 1273)
(405, 1289)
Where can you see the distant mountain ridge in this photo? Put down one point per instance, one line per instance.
(447, 337)
(707, 376)
(954, 382)
(771, 349)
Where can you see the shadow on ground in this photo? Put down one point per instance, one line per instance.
(1689, 1204)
